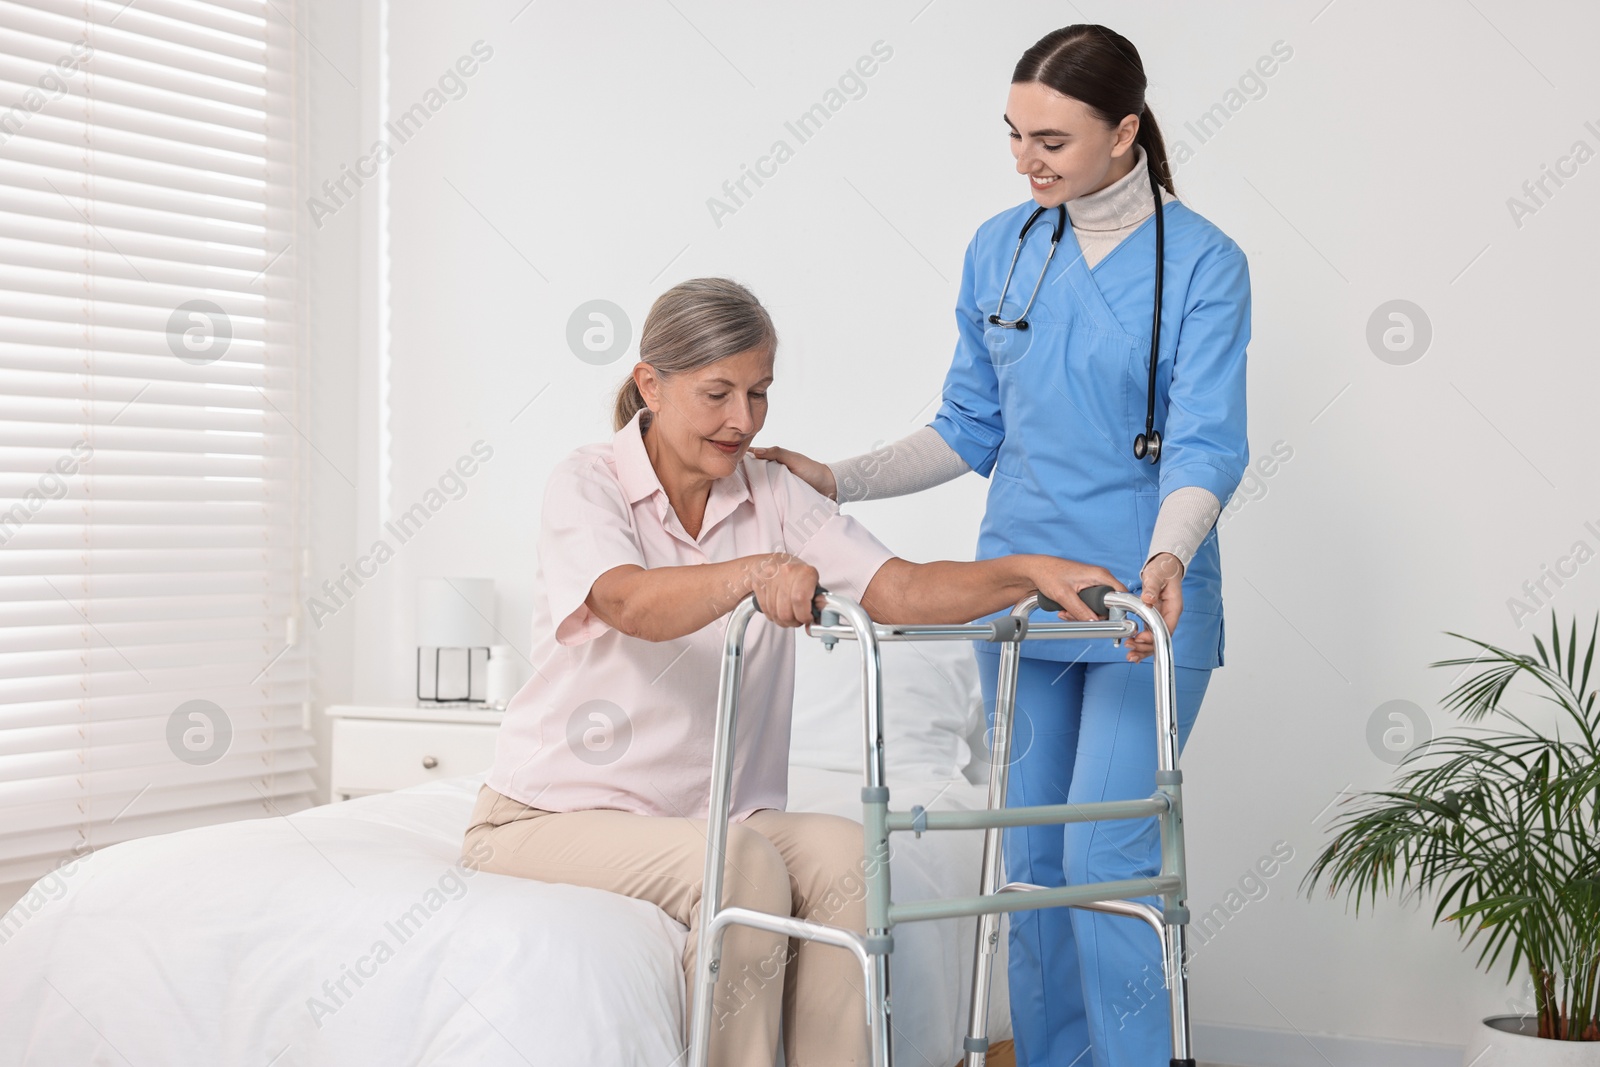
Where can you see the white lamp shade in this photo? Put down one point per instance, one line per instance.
(455, 613)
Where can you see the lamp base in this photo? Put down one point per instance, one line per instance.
(452, 676)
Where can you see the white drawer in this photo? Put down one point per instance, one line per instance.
(376, 755)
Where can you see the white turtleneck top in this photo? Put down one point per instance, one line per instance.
(921, 460)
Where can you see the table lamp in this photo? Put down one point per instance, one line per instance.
(455, 628)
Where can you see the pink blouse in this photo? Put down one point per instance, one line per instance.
(612, 721)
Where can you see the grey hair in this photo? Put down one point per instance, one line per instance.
(692, 325)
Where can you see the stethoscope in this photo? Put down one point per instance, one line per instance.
(1148, 444)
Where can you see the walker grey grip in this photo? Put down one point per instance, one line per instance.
(1094, 596)
(816, 615)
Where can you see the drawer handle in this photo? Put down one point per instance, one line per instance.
(429, 763)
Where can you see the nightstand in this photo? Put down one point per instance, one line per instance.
(381, 749)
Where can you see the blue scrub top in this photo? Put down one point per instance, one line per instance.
(1049, 414)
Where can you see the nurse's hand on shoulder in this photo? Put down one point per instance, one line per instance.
(785, 587)
(817, 475)
(1163, 590)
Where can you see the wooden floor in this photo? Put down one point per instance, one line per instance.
(1002, 1054)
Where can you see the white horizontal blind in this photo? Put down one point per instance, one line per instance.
(151, 472)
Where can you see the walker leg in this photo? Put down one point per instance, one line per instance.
(717, 812)
(1178, 994)
(1175, 903)
(874, 836)
(1175, 913)
(976, 1043)
(879, 1012)
(880, 935)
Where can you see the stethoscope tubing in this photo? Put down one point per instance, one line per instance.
(1148, 444)
(1056, 230)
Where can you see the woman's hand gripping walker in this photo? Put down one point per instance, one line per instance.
(839, 618)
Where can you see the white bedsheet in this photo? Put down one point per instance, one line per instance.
(281, 942)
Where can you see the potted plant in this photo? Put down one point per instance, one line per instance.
(1503, 830)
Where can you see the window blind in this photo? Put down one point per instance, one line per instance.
(151, 464)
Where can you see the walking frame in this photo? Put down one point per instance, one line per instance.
(844, 619)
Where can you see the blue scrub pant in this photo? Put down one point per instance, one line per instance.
(1087, 988)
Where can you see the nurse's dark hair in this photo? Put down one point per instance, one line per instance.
(1101, 68)
(692, 325)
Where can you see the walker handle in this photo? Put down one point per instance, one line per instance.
(1094, 596)
(816, 615)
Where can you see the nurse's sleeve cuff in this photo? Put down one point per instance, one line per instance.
(977, 455)
(1199, 472)
(1185, 518)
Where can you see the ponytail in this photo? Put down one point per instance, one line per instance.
(1101, 68)
(629, 401)
(1155, 150)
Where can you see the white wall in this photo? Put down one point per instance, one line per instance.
(337, 70)
(1376, 166)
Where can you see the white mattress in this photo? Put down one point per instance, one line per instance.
(228, 945)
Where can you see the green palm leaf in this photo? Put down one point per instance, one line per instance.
(1500, 828)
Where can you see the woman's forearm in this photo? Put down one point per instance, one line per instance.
(664, 603)
(948, 591)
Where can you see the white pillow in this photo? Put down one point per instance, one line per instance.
(932, 706)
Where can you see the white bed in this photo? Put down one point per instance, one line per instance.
(229, 944)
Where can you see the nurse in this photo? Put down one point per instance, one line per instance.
(1050, 414)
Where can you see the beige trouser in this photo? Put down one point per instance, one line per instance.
(783, 863)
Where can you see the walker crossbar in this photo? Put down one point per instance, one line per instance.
(1152, 917)
(1038, 815)
(844, 619)
(1043, 897)
(801, 928)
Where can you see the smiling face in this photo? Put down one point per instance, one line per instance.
(702, 420)
(1065, 151)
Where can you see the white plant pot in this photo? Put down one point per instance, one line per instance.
(1513, 1041)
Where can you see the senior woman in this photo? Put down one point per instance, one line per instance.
(602, 766)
